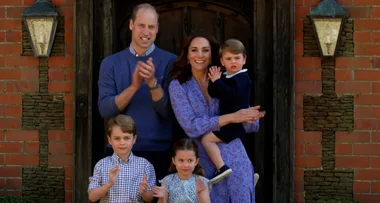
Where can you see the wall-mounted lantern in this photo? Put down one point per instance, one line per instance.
(327, 18)
(41, 21)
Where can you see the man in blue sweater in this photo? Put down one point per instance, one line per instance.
(134, 82)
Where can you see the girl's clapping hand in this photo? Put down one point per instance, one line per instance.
(160, 191)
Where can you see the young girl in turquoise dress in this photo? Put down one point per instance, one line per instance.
(186, 183)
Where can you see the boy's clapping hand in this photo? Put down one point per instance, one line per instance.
(113, 174)
(143, 187)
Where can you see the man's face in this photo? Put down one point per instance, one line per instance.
(144, 30)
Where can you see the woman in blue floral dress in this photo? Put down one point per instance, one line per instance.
(198, 114)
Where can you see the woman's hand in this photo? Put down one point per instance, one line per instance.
(247, 115)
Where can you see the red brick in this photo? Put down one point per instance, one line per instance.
(27, 61)
(21, 86)
(10, 171)
(2, 159)
(299, 25)
(68, 111)
(10, 98)
(58, 2)
(299, 149)
(375, 87)
(31, 147)
(376, 112)
(362, 187)
(21, 159)
(375, 162)
(298, 186)
(2, 12)
(367, 99)
(362, 112)
(69, 123)
(69, 75)
(68, 172)
(60, 86)
(15, 12)
(308, 62)
(367, 198)
(298, 75)
(343, 149)
(367, 24)
(2, 183)
(59, 135)
(311, 2)
(375, 187)
(2, 61)
(367, 175)
(2, 135)
(10, 49)
(359, 12)
(345, 2)
(352, 137)
(13, 36)
(298, 112)
(299, 99)
(60, 160)
(68, 184)
(2, 110)
(352, 87)
(13, 111)
(2, 34)
(298, 50)
(60, 62)
(367, 75)
(362, 37)
(302, 12)
(68, 12)
(308, 161)
(21, 135)
(367, 49)
(69, 2)
(10, 74)
(352, 62)
(56, 74)
(60, 147)
(29, 2)
(375, 12)
(14, 24)
(366, 2)
(68, 196)
(69, 49)
(298, 174)
(352, 162)
(69, 37)
(298, 36)
(375, 37)
(10, 123)
(10, 2)
(367, 149)
(375, 137)
(10, 147)
(312, 75)
(313, 149)
(343, 75)
(375, 62)
(299, 197)
(299, 124)
(366, 124)
(11, 183)
(29, 74)
(308, 87)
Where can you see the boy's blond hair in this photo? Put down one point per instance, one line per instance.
(232, 45)
(126, 124)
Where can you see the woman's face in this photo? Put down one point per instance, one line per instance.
(199, 54)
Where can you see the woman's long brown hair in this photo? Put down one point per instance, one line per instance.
(181, 69)
(191, 145)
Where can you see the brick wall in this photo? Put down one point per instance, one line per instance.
(34, 143)
(354, 146)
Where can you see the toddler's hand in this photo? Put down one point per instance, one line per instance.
(214, 73)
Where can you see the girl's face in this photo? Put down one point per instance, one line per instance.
(185, 162)
(199, 54)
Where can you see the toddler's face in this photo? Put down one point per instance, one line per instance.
(232, 62)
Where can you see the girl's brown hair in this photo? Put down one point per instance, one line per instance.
(126, 123)
(191, 145)
(181, 69)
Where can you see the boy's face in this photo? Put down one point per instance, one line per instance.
(122, 143)
(232, 62)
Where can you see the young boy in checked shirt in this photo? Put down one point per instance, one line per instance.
(122, 177)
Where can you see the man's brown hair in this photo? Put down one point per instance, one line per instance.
(126, 124)
(232, 45)
(142, 6)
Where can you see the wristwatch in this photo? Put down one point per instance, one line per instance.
(155, 85)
